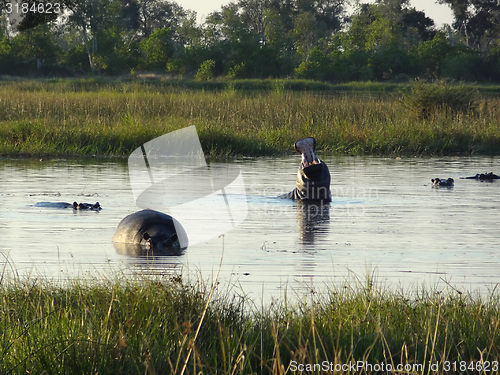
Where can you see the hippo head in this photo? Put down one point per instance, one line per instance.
(311, 166)
(160, 241)
(443, 182)
(306, 148)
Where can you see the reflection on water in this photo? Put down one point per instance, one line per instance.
(384, 218)
(313, 220)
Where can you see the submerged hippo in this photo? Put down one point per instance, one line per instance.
(484, 177)
(76, 206)
(442, 182)
(149, 232)
(313, 176)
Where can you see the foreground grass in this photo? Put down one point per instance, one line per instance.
(91, 118)
(150, 326)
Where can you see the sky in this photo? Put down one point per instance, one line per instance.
(441, 14)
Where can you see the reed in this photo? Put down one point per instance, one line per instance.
(91, 118)
(150, 325)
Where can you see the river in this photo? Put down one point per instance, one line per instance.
(386, 221)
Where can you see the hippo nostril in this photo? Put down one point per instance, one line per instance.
(148, 240)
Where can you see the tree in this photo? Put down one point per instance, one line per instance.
(432, 54)
(477, 20)
(305, 33)
(275, 30)
(188, 32)
(158, 48)
(38, 44)
(413, 19)
(330, 14)
(90, 17)
(253, 15)
(158, 14)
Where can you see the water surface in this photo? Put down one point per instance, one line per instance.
(385, 219)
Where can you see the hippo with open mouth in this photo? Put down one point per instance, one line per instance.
(149, 232)
(313, 176)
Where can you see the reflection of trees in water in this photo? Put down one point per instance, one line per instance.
(313, 219)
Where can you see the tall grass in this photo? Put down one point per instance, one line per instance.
(90, 118)
(149, 326)
(427, 98)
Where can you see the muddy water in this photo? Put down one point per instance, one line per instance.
(385, 219)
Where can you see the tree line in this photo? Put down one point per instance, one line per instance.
(310, 39)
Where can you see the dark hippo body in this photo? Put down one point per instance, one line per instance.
(147, 232)
(76, 206)
(313, 176)
(484, 177)
(443, 182)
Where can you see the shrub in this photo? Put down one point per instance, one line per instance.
(462, 67)
(427, 98)
(158, 48)
(308, 70)
(236, 71)
(205, 72)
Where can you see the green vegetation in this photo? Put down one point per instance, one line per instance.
(90, 117)
(385, 40)
(426, 98)
(205, 72)
(159, 325)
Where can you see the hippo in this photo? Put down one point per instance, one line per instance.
(87, 206)
(484, 177)
(149, 232)
(76, 206)
(442, 182)
(313, 176)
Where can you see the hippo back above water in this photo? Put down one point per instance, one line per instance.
(449, 182)
(149, 232)
(76, 206)
(484, 177)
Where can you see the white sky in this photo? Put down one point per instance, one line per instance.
(441, 14)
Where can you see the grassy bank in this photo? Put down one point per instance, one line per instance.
(87, 117)
(151, 327)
